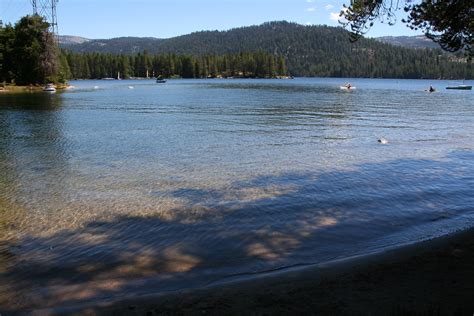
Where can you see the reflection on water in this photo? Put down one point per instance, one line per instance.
(31, 101)
(114, 190)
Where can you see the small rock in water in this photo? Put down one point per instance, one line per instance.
(383, 141)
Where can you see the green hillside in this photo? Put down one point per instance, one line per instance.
(307, 50)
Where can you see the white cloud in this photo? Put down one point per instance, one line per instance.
(329, 6)
(311, 9)
(310, 1)
(334, 16)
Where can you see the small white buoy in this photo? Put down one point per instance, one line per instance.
(96, 87)
(130, 87)
(383, 141)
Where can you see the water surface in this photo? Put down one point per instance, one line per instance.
(118, 188)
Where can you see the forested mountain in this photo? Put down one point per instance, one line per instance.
(127, 45)
(307, 50)
(119, 45)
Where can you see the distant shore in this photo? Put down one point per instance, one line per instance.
(29, 88)
(434, 277)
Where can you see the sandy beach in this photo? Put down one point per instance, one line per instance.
(434, 277)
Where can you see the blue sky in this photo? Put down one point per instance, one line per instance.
(168, 18)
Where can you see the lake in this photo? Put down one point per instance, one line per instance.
(123, 188)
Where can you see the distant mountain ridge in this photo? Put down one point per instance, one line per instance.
(308, 50)
(133, 45)
(122, 44)
(66, 40)
(419, 41)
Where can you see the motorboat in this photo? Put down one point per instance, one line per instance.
(459, 87)
(49, 88)
(346, 87)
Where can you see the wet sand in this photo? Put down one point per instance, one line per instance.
(434, 277)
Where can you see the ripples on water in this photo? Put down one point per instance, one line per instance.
(114, 190)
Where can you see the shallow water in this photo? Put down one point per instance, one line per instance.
(108, 191)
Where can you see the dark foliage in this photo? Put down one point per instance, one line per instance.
(450, 23)
(28, 52)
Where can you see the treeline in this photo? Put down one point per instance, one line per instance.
(378, 60)
(366, 62)
(245, 65)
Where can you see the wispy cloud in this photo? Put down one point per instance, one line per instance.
(310, 1)
(329, 6)
(311, 9)
(334, 16)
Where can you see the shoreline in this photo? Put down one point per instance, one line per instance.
(429, 277)
(33, 88)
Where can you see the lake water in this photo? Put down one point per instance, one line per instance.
(120, 188)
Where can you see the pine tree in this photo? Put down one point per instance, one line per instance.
(35, 57)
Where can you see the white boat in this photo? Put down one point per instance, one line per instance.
(459, 87)
(347, 88)
(49, 88)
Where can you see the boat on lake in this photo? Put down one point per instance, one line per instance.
(160, 80)
(348, 87)
(459, 87)
(49, 88)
